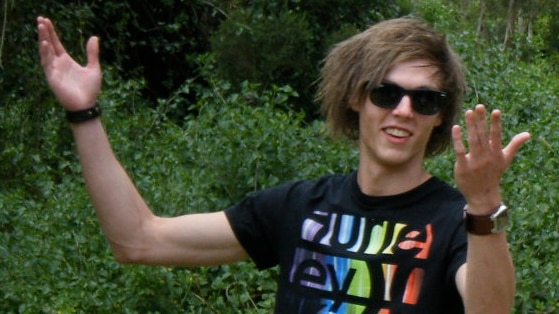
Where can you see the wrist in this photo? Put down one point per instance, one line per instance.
(483, 206)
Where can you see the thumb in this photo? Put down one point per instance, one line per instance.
(93, 52)
(514, 145)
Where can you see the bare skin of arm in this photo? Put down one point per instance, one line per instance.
(487, 280)
(136, 235)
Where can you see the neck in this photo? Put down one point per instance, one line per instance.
(375, 180)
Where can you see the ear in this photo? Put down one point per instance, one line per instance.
(439, 120)
(356, 107)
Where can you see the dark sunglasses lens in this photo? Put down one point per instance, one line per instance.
(424, 101)
(427, 102)
(386, 96)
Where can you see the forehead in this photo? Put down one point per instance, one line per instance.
(414, 74)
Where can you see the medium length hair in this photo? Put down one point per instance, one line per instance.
(361, 62)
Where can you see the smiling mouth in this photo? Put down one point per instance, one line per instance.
(397, 132)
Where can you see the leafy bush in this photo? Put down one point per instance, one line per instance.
(276, 49)
(283, 42)
(523, 89)
(54, 256)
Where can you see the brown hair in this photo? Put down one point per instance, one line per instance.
(361, 62)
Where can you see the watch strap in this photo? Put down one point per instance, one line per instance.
(84, 115)
(480, 225)
(486, 224)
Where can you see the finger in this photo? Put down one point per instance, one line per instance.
(45, 49)
(482, 130)
(481, 123)
(41, 29)
(471, 131)
(52, 37)
(93, 52)
(45, 53)
(458, 144)
(496, 131)
(514, 145)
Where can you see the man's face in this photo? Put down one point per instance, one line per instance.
(397, 137)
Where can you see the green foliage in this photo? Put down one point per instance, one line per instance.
(267, 49)
(528, 96)
(532, 185)
(53, 254)
(154, 40)
(32, 136)
(283, 42)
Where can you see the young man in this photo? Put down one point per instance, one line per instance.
(387, 238)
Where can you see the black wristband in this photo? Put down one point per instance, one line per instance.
(84, 115)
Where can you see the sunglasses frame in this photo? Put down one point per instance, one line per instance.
(418, 104)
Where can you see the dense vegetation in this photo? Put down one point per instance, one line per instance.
(203, 106)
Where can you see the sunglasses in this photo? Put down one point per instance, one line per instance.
(424, 101)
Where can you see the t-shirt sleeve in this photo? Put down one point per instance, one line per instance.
(248, 229)
(256, 222)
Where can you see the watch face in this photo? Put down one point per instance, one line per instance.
(500, 219)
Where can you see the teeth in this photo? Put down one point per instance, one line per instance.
(397, 132)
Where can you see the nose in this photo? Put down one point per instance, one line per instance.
(404, 107)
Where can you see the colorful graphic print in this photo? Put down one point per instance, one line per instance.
(352, 261)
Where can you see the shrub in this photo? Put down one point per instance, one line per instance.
(54, 255)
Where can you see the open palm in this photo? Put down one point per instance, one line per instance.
(478, 172)
(76, 87)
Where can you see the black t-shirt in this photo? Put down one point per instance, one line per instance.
(341, 251)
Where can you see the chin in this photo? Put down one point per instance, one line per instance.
(398, 160)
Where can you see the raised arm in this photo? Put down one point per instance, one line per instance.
(136, 235)
(487, 281)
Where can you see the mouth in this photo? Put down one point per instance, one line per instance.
(399, 133)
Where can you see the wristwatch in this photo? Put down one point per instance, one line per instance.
(486, 224)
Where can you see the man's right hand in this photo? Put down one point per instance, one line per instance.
(76, 87)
